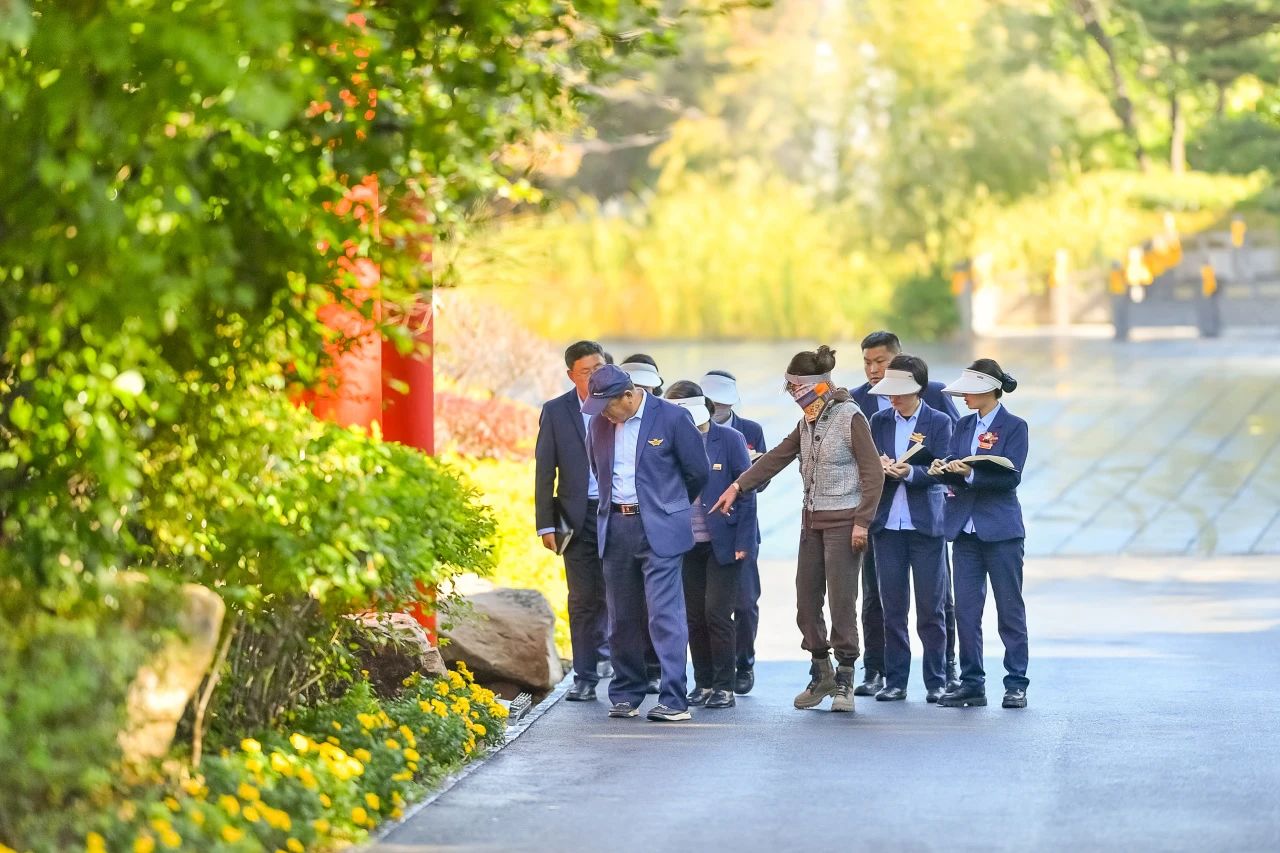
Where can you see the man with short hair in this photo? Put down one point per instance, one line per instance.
(564, 484)
(649, 460)
(878, 349)
(721, 388)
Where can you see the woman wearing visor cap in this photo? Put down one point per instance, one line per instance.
(907, 534)
(984, 520)
(842, 480)
(712, 570)
(721, 388)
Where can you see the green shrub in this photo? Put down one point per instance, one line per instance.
(62, 689)
(925, 307)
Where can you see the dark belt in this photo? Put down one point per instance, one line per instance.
(627, 509)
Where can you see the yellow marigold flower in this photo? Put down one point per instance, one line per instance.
(294, 845)
(276, 819)
(462, 670)
(93, 843)
(386, 721)
(407, 732)
(232, 834)
(332, 740)
(413, 767)
(192, 787)
(254, 765)
(321, 826)
(481, 730)
(373, 801)
(197, 817)
(396, 798)
(337, 726)
(250, 745)
(300, 742)
(307, 778)
(359, 815)
(280, 764)
(442, 688)
(172, 804)
(468, 747)
(144, 844)
(171, 839)
(248, 793)
(397, 813)
(424, 706)
(456, 682)
(402, 776)
(250, 814)
(369, 721)
(229, 804)
(411, 754)
(498, 712)
(325, 801)
(392, 743)
(363, 754)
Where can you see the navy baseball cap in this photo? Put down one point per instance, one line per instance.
(606, 383)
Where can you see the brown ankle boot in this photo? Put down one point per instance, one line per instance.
(821, 685)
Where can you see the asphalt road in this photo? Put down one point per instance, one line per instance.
(1154, 724)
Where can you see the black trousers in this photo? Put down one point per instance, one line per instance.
(588, 612)
(710, 594)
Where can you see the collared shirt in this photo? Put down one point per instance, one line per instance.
(899, 511)
(593, 488)
(984, 424)
(626, 438)
(882, 402)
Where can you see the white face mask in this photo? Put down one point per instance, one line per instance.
(697, 407)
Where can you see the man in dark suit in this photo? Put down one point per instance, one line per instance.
(565, 484)
(878, 349)
(650, 463)
(721, 388)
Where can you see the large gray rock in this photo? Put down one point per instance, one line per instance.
(508, 636)
(164, 685)
(394, 647)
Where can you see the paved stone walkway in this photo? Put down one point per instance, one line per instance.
(1152, 726)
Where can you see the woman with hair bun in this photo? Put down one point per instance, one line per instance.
(984, 520)
(842, 479)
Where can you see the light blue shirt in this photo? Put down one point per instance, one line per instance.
(899, 511)
(882, 403)
(593, 488)
(626, 438)
(984, 424)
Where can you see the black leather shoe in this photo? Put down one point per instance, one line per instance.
(654, 688)
(699, 696)
(933, 695)
(953, 677)
(1015, 697)
(965, 697)
(745, 681)
(623, 710)
(721, 699)
(871, 685)
(581, 691)
(891, 694)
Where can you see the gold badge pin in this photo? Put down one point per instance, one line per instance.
(717, 467)
(917, 437)
(655, 442)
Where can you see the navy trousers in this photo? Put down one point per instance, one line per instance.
(588, 612)
(905, 558)
(974, 562)
(746, 615)
(646, 599)
(872, 616)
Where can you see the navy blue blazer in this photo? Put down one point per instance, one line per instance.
(932, 396)
(925, 495)
(727, 454)
(992, 498)
(560, 462)
(671, 470)
(754, 434)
